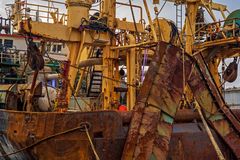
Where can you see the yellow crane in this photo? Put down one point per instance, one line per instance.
(80, 42)
(162, 92)
(81, 38)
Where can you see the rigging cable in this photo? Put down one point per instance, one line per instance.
(161, 8)
(210, 135)
(134, 20)
(82, 127)
(91, 143)
(73, 91)
(79, 68)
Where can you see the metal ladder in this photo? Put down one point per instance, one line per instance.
(179, 16)
(95, 87)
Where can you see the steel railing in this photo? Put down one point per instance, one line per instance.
(42, 10)
(217, 30)
(12, 56)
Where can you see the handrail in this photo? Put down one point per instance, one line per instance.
(215, 23)
(15, 57)
(217, 30)
(42, 11)
(56, 2)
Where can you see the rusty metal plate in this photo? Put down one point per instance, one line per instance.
(218, 114)
(157, 104)
(190, 141)
(161, 94)
(106, 131)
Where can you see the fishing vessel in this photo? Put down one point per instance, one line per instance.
(145, 88)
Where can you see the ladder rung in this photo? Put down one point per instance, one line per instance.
(95, 92)
(97, 78)
(97, 83)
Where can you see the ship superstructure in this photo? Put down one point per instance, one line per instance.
(176, 109)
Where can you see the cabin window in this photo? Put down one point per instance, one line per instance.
(59, 48)
(8, 43)
(1, 45)
(54, 49)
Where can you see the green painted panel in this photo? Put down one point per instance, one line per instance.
(153, 157)
(167, 118)
(235, 14)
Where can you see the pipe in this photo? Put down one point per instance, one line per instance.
(90, 62)
(133, 45)
(131, 73)
(182, 116)
(52, 76)
(186, 115)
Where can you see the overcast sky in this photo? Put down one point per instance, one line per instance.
(167, 12)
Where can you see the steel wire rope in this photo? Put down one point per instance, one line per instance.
(161, 8)
(210, 135)
(79, 68)
(73, 91)
(134, 20)
(157, 14)
(218, 91)
(91, 143)
(82, 127)
(145, 102)
(183, 48)
(51, 59)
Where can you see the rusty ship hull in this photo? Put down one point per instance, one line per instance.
(116, 135)
(36, 136)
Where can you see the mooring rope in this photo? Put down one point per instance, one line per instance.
(82, 127)
(210, 135)
(91, 143)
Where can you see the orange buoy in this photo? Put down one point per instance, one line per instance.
(122, 108)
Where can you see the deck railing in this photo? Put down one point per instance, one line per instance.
(12, 56)
(218, 30)
(48, 11)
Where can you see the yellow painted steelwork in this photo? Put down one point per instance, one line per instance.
(84, 55)
(164, 30)
(120, 39)
(192, 8)
(131, 75)
(77, 10)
